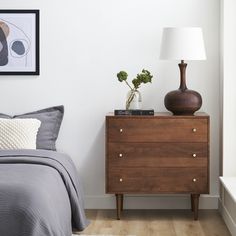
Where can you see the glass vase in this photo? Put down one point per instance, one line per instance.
(133, 100)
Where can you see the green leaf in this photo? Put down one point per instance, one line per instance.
(122, 75)
(144, 77)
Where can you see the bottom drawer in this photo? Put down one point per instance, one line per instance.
(157, 180)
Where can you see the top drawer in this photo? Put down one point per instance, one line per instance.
(157, 129)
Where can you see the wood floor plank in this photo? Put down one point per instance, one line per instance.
(212, 223)
(155, 223)
(185, 225)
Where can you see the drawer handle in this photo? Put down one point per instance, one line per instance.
(194, 155)
(194, 130)
(121, 130)
(120, 155)
(194, 180)
(121, 180)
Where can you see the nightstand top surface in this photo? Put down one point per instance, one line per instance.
(161, 114)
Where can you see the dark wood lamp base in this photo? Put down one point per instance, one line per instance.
(183, 101)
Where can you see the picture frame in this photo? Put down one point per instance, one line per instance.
(19, 42)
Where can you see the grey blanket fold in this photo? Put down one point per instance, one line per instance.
(40, 194)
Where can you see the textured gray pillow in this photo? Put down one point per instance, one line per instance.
(51, 119)
(5, 116)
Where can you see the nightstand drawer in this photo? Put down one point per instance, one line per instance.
(157, 130)
(157, 154)
(158, 180)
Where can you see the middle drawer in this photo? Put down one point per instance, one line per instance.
(157, 154)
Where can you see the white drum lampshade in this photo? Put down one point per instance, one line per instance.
(182, 44)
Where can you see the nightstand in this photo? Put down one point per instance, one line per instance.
(157, 154)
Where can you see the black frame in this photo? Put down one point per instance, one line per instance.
(37, 58)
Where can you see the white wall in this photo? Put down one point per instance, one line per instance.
(228, 75)
(227, 203)
(84, 43)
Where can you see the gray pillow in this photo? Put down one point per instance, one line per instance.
(51, 119)
(5, 116)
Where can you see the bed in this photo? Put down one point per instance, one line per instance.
(40, 191)
(40, 194)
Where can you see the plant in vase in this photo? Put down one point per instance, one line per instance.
(134, 99)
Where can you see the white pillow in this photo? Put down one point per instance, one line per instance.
(18, 133)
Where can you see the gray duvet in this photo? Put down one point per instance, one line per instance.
(40, 194)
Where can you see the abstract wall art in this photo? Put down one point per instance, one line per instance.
(19, 42)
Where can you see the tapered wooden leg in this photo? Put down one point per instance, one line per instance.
(195, 205)
(122, 202)
(118, 205)
(192, 205)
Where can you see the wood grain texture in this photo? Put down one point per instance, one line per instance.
(157, 180)
(158, 154)
(157, 130)
(119, 205)
(155, 223)
(183, 101)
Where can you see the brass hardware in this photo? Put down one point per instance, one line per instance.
(120, 155)
(194, 180)
(121, 180)
(194, 130)
(194, 155)
(121, 130)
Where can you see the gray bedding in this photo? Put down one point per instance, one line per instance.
(40, 194)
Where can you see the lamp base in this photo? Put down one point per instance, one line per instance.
(183, 102)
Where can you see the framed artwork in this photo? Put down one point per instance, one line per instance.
(19, 42)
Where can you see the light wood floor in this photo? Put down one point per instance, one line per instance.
(156, 223)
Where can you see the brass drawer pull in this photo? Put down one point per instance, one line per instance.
(121, 130)
(120, 155)
(194, 155)
(121, 180)
(194, 130)
(194, 180)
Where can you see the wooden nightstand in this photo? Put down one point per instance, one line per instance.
(157, 154)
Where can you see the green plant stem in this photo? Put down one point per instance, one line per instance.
(128, 85)
(130, 98)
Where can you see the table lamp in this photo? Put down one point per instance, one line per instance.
(183, 44)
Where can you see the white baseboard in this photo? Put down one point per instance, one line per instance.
(227, 218)
(151, 202)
